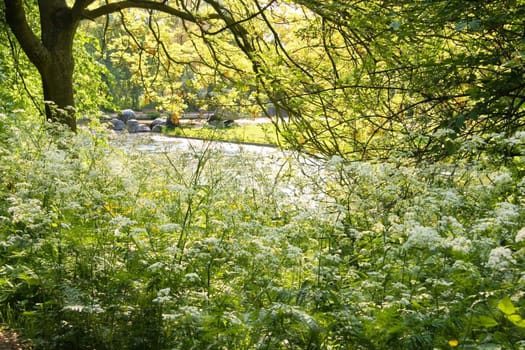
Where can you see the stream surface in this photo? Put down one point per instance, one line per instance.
(159, 143)
(270, 158)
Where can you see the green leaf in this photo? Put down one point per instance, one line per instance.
(485, 321)
(459, 121)
(450, 147)
(517, 320)
(474, 25)
(506, 306)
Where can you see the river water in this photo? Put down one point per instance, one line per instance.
(270, 160)
(160, 143)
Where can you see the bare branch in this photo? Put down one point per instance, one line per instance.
(148, 5)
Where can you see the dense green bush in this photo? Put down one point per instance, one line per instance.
(105, 247)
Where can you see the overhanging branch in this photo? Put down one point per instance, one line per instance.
(148, 5)
(250, 17)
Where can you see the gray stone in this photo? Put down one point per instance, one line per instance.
(213, 118)
(158, 121)
(222, 118)
(157, 128)
(274, 111)
(104, 118)
(226, 114)
(117, 124)
(216, 124)
(132, 125)
(220, 124)
(127, 114)
(143, 128)
(228, 123)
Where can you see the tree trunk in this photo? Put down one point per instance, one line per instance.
(52, 54)
(57, 82)
(58, 31)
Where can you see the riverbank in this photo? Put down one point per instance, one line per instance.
(259, 131)
(256, 132)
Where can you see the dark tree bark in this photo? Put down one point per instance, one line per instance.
(52, 54)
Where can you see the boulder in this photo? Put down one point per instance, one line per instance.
(222, 118)
(228, 123)
(104, 118)
(158, 121)
(212, 118)
(216, 121)
(218, 124)
(143, 128)
(273, 111)
(132, 125)
(127, 114)
(117, 124)
(157, 128)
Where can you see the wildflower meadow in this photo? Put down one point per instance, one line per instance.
(104, 247)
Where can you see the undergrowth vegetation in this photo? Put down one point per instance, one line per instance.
(109, 248)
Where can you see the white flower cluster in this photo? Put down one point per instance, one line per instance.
(443, 133)
(500, 258)
(517, 139)
(422, 237)
(506, 213)
(29, 211)
(334, 162)
(520, 236)
(502, 179)
(459, 244)
(473, 145)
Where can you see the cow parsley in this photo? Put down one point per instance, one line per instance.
(520, 236)
(500, 258)
(422, 237)
(506, 213)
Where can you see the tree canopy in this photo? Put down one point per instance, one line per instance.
(368, 80)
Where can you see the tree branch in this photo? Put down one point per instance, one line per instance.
(250, 17)
(79, 8)
(16, 18)
(148, 5)
(240, 34)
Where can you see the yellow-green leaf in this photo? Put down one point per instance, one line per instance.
(506, 306)
(516, 320)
